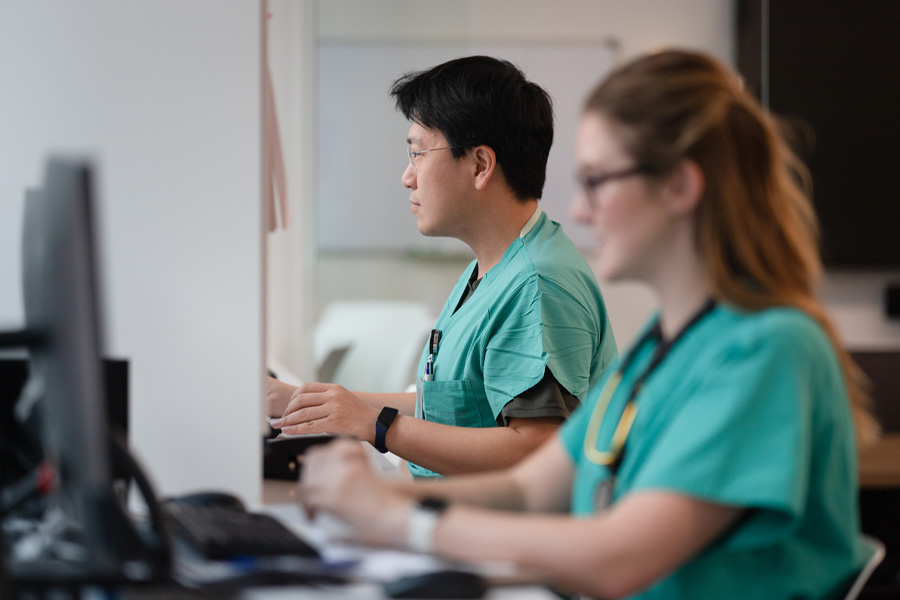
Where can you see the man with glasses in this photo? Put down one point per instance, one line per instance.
(524, 333)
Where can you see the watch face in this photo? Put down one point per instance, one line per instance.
(387, 416)
(384, 420)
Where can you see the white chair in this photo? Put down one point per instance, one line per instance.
(876, 547)
(379, 343)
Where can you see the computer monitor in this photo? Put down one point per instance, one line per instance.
(59, 284)
(66, 389)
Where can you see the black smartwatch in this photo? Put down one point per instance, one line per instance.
(382, 423)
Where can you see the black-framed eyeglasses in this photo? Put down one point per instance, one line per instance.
(591, 184)
(413, 154)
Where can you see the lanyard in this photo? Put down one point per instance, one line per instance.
(613, 457)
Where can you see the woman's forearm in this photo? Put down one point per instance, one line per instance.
(539, 483)
(613, 554)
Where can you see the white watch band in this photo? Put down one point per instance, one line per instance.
(420, 529)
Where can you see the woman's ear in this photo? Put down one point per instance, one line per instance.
(686, 186)
(485, 163)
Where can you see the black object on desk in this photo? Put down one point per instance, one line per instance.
(281, 456)
(226, 548)
(218, 527)
(437, 584)
(20, 450)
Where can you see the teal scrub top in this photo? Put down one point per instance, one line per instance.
(748, 409)
(539, 307)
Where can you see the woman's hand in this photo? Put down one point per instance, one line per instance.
(338, 478)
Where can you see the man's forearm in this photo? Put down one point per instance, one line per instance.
(452, 450)
(405, 403)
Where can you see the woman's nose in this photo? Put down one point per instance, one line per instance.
(580, 208)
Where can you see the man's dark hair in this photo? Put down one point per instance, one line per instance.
(482, 100)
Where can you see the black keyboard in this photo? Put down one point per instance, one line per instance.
(220, 533)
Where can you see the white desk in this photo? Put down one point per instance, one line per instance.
(279, 500)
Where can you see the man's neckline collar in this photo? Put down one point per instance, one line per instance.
(529, 225)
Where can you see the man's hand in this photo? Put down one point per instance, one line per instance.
(338, 478)
(328, 408)
(278, 396)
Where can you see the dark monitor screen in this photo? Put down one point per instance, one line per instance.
(59, 283)
(87, 534)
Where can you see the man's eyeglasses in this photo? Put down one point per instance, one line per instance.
(413, 154)
(591, 184)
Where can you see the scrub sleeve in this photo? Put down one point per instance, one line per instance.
(540, 306)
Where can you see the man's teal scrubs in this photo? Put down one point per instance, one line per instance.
(539, 309)
(747, 410)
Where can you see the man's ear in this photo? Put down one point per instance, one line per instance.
(686, 185)
(485, 162)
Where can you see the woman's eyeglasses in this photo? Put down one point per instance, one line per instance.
(591, 184)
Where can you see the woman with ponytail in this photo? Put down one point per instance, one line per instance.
(717, 458)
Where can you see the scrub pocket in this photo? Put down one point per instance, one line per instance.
(448, 403)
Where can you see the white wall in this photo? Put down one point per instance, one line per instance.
(354, 105)
(636, 26)
(165, 94)
(631, 27)
(290, 264)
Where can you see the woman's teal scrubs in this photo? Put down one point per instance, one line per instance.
(540, 307)
(748, 410)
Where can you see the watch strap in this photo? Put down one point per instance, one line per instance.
(382, 423)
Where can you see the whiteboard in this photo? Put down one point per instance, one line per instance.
(361, 203)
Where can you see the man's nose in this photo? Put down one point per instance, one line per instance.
(408, 179)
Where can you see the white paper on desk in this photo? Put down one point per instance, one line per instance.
(387, 565)
(376, 564)
(328, 534)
